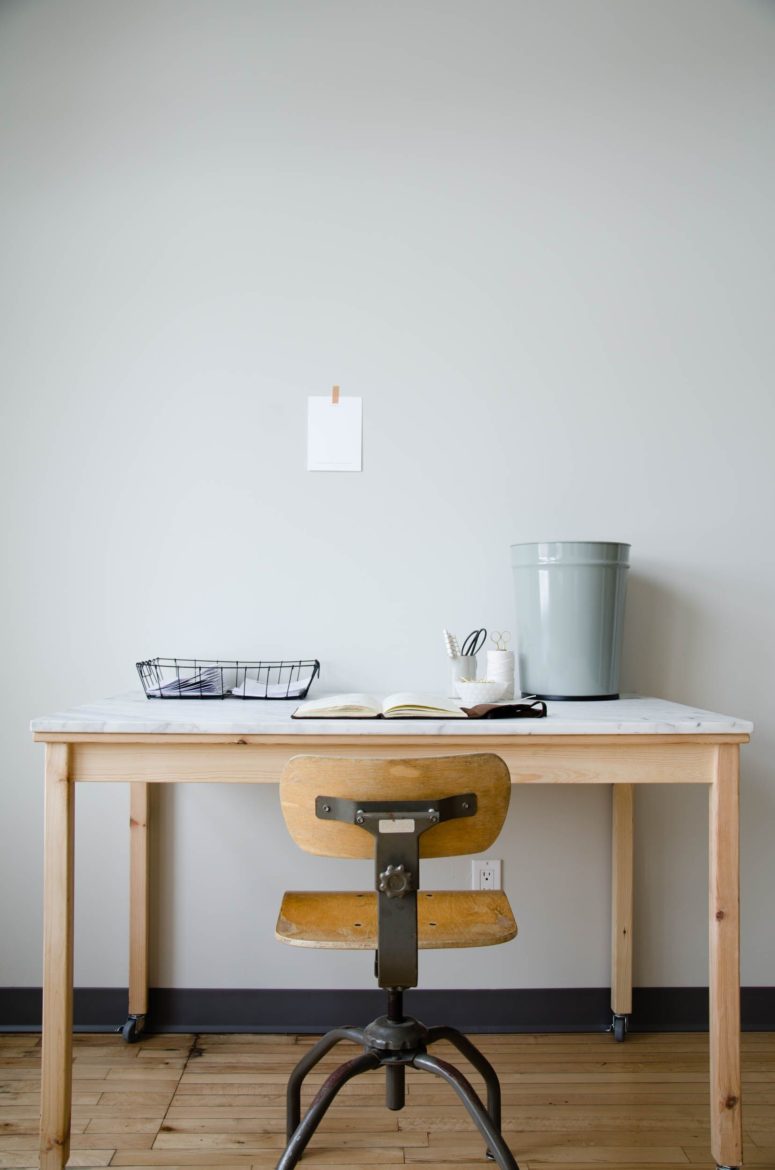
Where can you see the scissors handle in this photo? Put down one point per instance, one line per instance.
(474, 642)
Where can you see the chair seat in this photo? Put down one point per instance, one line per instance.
(348, 921)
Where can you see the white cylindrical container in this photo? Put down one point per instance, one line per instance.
(463, 666)
(500, 668)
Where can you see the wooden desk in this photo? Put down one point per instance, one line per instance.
(621, 743)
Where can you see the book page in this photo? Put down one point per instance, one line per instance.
(409, 703)
(351, 705)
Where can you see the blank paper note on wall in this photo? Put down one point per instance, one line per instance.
(334, 434)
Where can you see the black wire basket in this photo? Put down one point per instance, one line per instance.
(227, 678)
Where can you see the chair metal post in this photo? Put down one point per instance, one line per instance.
(395, 1086)
(395, 1005)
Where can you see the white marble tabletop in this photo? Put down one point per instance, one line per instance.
(134, 713)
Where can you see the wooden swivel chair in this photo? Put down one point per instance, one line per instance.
(397, 811)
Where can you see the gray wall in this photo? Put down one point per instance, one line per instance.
(537, 239)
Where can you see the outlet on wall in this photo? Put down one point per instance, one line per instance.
(486, 875)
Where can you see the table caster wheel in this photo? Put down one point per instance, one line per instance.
(133, 1029)
(619, 1027)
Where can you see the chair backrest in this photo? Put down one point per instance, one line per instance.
(305, 778)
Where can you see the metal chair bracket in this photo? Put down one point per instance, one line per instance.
(396, 826)
(370, 814)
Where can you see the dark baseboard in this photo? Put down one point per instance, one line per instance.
(585, 1009)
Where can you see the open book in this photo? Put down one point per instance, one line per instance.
(402, 705)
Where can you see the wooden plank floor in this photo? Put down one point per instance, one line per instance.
(570, 1103)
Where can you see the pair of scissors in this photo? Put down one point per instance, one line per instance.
(501, 640)
(474, 642)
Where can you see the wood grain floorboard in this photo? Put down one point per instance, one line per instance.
(570, 1102)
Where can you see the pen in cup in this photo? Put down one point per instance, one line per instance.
(463, 659)
(451, 644)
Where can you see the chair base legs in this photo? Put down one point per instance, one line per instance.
(317, 1110)
(393, 1044)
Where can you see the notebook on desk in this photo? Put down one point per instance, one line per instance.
(408, 705)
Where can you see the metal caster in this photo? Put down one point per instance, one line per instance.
(133, 1029)
(619, 1027)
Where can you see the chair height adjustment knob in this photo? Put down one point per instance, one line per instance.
(395, 881)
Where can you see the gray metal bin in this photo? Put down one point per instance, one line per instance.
(570, 614)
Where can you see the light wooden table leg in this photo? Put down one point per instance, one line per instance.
(622, 827)
(139, 888)
(724, 901)
(57, 1064)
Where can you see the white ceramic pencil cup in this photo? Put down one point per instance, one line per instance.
(463, 666)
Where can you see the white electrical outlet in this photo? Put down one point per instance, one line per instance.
(486, 875)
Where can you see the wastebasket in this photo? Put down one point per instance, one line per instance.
(570, 614)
